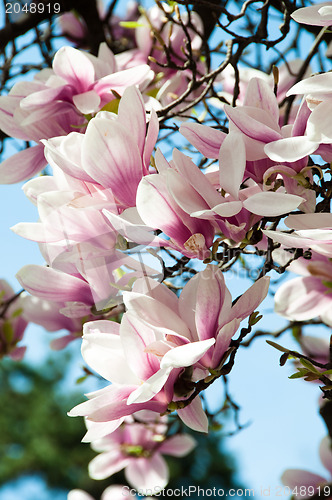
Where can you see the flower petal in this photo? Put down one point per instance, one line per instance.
(22, 165)
(50, 284)
(194, 416)
(107, 464)
(146, 474)
(270, 203)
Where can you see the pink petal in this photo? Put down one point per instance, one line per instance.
(135, 336)
(132, 115)
(50, 284)
(210, 296)
(178, 446)
(194, 416)
(22, 165)
(226, 209)
(184, 194)
(18, 353)
(195, 177)
(251, 299)
(107, 464)
(260, 95)
(74, 67)
(154, 313)
(206, 139)
(111, 157)
(146, 474)
(87, 102)
(255, 123)
(314, 15)
(122, 79)
(297, 478)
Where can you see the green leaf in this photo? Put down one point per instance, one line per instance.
(309, 365)
(302, 372)
(254, 318)
(277, 346)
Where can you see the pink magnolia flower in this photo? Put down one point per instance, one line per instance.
(309, 296)
(315, 15)
(311, 483)
(12, 323)
(56, 101)
(144, 359)
(138, 447)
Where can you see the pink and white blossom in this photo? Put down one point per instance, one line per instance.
(160, 336)
(138, 447)
(56, 101)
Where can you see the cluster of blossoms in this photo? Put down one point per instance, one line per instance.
(95, 122)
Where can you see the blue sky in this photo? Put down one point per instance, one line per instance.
(285, 428)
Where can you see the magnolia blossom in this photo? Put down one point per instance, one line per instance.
(100, 169)
(12, 323)
(55, 103)
(138, 447)
(163, 346)
(311, 483)
(309, 296)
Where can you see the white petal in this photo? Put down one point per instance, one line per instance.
(270, 204)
